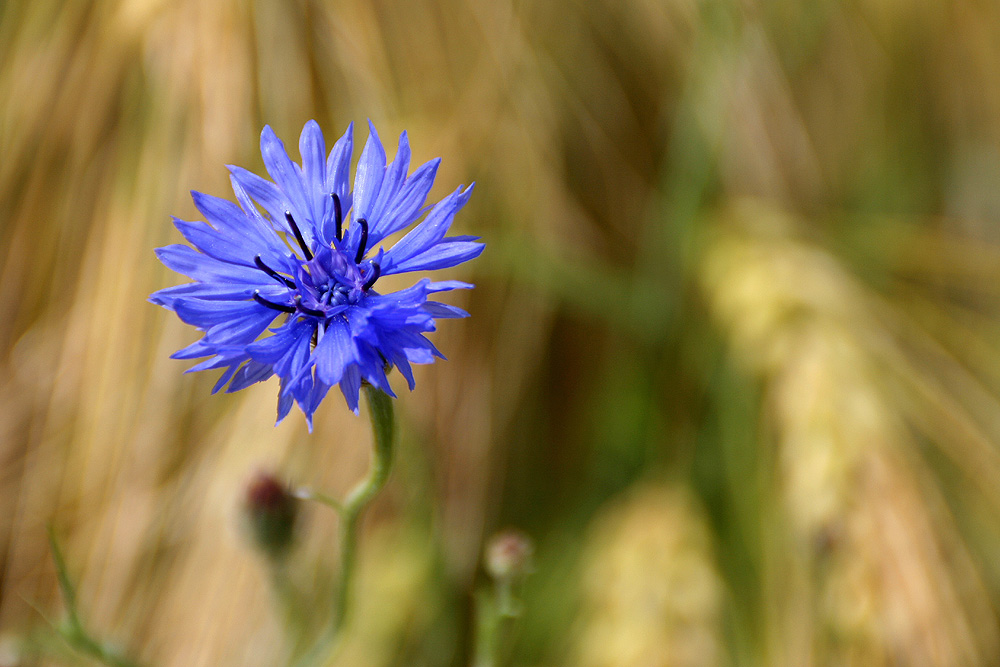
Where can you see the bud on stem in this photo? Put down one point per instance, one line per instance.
(271, 512)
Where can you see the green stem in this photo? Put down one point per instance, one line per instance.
(495, 611)
(487, 631)
(380, 412)
(83, 643)
(321, 498)
(72, 629)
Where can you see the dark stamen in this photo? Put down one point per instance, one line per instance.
(308, 311)
(338, 216)
(288, 282)
(270, 304)
(298, 236)
(364, 240)
(376, 272)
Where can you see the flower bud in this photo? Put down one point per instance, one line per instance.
(508, 555)
(271, 511)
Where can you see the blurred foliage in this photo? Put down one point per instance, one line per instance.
(734, 359)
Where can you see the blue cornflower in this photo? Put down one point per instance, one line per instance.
(293, 293)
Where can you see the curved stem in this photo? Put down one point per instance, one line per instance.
(306, 493)
(380, 412)
(72, 629)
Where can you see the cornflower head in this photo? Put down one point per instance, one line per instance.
(293, 293)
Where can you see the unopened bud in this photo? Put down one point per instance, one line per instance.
(508, 555)
(271, 512)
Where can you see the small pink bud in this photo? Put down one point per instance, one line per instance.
(508, 555)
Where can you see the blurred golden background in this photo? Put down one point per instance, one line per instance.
(734, 359)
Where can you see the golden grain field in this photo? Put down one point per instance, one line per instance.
(733, 361)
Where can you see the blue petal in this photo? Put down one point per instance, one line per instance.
(246, 201)
(411, 297)
(285, 402)
(462, 237)
(441, 256)
(444, 311)
(316, 394)
(226, 323)
(224, 378)
(447, 285)
(213, 244)
(217, 361)
(406, 206)
(372, 368)
(193, 264)
(250, 373)
(395, 177)
(338, 166)
(286, 174)
(170, 296)
(300, 387)
(414, 347)
(368, 180)
(226, 216)
(312, 148)
(334, 352)
(246, 228)
(400, 362)
(416, 319)
(274, 350)
(240, 331)
(350, 386)
(206, 314)
(265, 193)
(195, 350)
(428, 233)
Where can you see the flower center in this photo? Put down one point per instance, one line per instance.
(326, 283)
